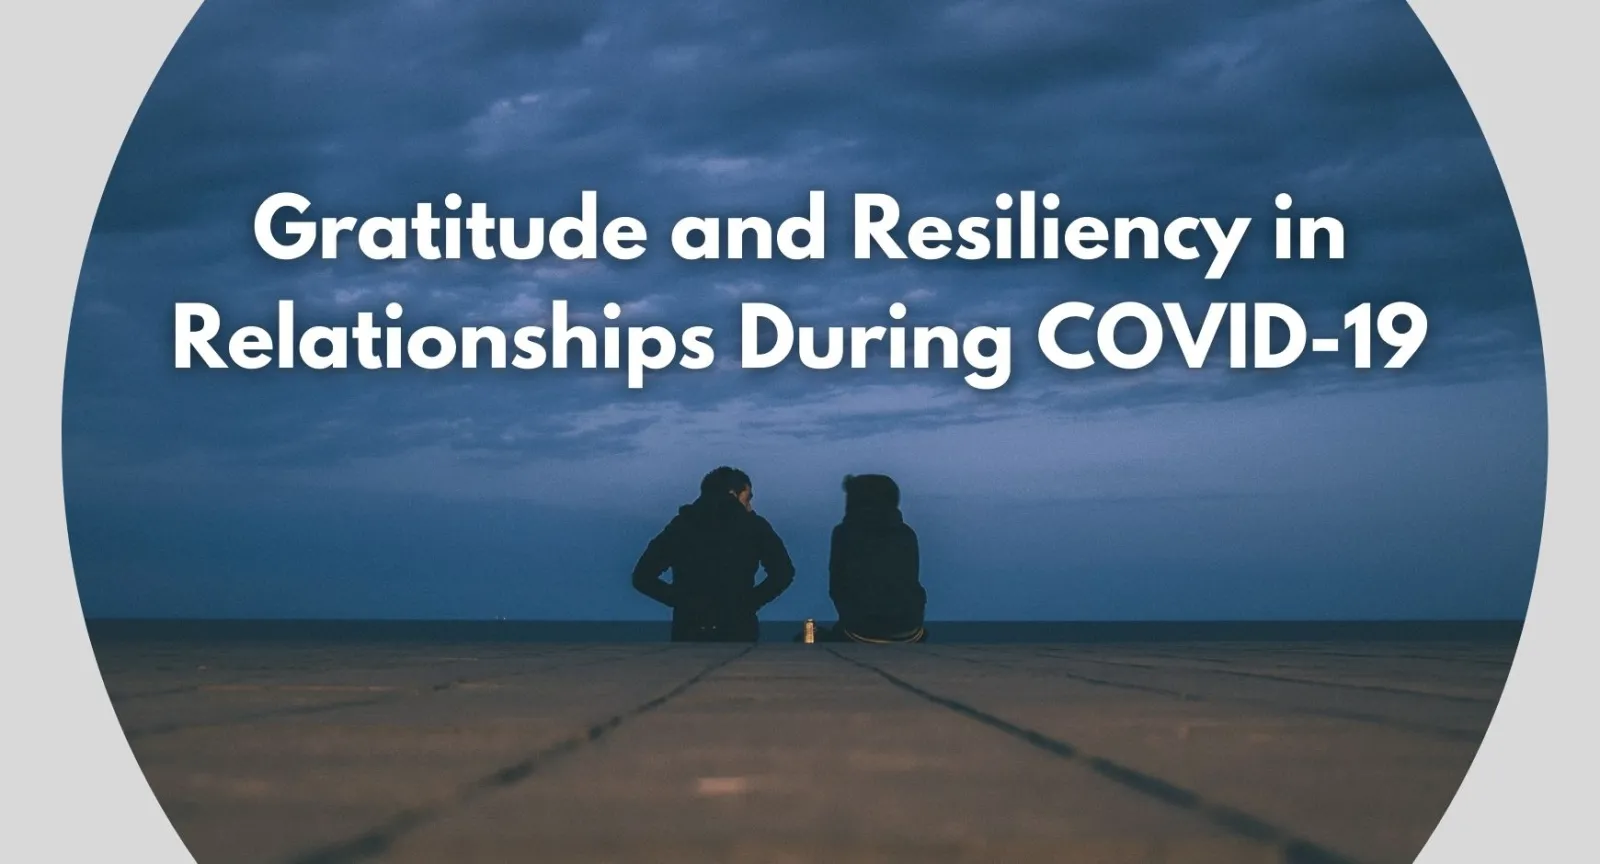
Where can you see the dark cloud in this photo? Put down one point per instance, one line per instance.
(722, 108)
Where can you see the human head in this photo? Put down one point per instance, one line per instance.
(727, 481)
(870, 492)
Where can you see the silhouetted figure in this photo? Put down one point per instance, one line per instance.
(713, 548)
(873, 568)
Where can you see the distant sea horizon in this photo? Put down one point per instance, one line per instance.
(109, 629)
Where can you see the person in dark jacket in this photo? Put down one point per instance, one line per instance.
(713, 548)
(873, 568)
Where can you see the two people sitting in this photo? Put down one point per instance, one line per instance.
(715, 546)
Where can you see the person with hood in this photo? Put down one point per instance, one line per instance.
(713, 548)
(873, 568)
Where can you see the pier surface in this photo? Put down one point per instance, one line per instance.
(308, 753)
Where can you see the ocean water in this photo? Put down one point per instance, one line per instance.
(968, 632)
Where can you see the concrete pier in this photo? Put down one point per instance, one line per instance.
(1106, 753)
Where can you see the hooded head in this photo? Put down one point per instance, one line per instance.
(871, 497)
(726, 484)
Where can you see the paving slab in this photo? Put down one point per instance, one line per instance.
(589, 753)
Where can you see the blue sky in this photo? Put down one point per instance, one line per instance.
(1312, 492)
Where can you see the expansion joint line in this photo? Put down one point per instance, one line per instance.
(1292, 849)
(379, 839)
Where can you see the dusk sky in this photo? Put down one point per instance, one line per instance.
(1314, 492)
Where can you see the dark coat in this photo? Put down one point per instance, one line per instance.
(873, 573)
(713, 548)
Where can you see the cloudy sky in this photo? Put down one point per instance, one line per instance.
(1311, 492)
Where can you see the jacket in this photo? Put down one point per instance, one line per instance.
(713, 548)
(873, 573)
